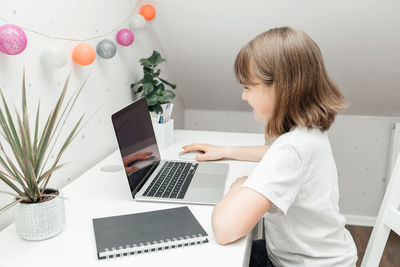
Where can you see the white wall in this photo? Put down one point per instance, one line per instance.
(359, 40)
(108, 87)
(360, 145)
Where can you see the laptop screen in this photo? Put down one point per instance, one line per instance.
(136, 141)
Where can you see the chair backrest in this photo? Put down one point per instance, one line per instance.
(388, 219)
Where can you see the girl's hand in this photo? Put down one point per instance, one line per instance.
(237, 184)
(211, 152)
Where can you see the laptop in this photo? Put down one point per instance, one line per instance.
(152, 179)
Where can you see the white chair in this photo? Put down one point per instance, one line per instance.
(388, 219)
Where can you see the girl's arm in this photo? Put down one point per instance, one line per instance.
(211, 152)
(238, 212)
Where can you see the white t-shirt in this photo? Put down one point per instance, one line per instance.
(303, 227)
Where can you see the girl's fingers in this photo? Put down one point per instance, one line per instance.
(189, 145)
(193, 147)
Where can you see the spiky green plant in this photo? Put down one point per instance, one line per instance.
(27, 169)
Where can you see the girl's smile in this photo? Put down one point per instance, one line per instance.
(262, 100)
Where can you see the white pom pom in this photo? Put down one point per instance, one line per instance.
(137, 22)
(54, 57)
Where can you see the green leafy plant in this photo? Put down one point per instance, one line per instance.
(152, 86)
(29, 172)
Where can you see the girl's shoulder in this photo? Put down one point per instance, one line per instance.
(304, 140)
(301, 134)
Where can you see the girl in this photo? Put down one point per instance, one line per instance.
(295, 184)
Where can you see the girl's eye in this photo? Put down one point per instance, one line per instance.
(246, 87)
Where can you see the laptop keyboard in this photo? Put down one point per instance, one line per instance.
(172, 181)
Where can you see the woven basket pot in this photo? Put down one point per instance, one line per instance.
(38, 221)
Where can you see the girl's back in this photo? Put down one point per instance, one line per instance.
(303, 227)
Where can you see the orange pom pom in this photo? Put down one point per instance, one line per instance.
(84, 54)
(148, 12)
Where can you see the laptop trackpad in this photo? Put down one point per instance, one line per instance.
(208, 180)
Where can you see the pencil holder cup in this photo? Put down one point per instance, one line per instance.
(164, 133)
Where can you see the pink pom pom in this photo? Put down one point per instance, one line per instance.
(125, 37)
(12, 39)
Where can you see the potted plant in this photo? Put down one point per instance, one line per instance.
(152, 86)
(26, 166)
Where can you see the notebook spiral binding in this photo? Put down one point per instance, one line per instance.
(152, 247)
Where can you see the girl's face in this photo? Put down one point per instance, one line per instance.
(261, 98)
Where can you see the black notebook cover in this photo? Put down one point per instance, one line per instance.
(147, 231)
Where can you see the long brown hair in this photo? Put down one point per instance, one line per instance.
(292, 62)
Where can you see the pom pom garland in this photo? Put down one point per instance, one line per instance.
(12, 39)
(125, 37)
(148, 12)
(84, 54)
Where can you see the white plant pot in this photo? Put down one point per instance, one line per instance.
(164, 133)
(38, 221)
(153, 117)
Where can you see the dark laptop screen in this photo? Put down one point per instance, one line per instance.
(137, 142)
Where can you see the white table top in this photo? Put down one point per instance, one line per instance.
(100, 194)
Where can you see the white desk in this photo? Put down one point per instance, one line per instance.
(100, 194)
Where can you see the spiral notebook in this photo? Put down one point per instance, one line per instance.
(145, 232)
